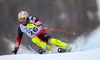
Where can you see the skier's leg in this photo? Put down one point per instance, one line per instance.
(60, 44)
(40, 43)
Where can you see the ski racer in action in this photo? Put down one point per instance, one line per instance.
(32, 26)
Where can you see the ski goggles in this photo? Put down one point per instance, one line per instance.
(22, 19)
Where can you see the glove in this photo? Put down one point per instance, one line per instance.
(15, 51)
(30, 25)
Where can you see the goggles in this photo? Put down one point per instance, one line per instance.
(22, 19)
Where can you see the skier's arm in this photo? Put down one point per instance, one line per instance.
(20, 34)
(37, 21)
(18, 41)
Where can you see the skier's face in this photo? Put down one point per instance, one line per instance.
(23, 20)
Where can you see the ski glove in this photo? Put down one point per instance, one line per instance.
(15, 51)
(30, 25)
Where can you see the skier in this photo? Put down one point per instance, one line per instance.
(32, 26)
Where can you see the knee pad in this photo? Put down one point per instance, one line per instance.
(47, 37)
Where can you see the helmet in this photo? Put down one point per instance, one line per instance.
(22, 16)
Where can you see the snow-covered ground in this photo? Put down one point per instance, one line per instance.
(81, 55)
(91, 41)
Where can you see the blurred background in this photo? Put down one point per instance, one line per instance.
(80, 16)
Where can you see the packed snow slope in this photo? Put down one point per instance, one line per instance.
(81, 55)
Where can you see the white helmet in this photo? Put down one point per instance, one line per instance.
(22, 16)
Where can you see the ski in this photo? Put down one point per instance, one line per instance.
(41, 51)
(61, 50)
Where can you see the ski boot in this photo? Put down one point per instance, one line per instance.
(61, 50)
(41, 51)
(49, 48)
(63, 46)
(66, 49)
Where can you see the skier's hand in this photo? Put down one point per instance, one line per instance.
(15, 50)
(30, 25)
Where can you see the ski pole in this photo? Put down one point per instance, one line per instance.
(67, 32)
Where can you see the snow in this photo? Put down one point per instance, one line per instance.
(94, 40)
(93, 54)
